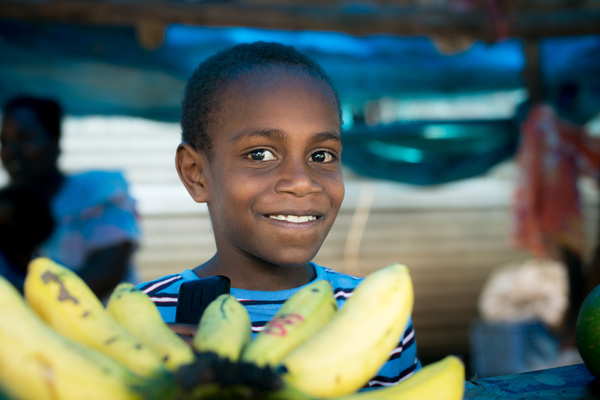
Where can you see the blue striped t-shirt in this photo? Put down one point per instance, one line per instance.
(262, 306)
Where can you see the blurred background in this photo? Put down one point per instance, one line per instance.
(435, 94)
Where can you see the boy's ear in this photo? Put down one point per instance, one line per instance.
(192, 167)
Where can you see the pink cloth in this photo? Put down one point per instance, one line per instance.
(553, 154)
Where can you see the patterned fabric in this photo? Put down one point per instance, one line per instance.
(93, 210)
(552, 155)
(262, 306)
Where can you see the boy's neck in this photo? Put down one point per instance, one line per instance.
(263, 277)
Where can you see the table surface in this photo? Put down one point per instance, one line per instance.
(568, 382)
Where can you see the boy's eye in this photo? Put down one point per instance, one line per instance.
(261, 155)
(321, 157)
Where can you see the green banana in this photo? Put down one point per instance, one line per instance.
(134, 310)
(356, 342)
(299, 318)
(38, 363)
(441, 380)
(224, 328)
(69, 306)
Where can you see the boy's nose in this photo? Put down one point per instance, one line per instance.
(297, 178)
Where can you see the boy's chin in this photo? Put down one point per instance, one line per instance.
(292, 261)
(288, 254)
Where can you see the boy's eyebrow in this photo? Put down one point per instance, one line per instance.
(250, 133)
(325, 136)
(280, 135)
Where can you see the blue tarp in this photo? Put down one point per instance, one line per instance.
(404, 153)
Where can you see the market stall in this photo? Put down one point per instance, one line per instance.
(131, 58)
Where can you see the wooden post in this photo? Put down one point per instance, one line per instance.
(532, 73)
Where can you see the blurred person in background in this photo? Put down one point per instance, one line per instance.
(96, 226)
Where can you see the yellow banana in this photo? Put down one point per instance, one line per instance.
(299, 318)
(38, 363)
(224, 328)
(69, 306)
(133, 309)
(442, 380)
(354, 345)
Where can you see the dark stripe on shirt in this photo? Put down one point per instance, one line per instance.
(249, 303)
(379, 381)
(407, 340)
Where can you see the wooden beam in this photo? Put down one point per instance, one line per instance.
(369, 18)
(555, 5)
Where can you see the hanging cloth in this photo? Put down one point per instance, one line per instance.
(552, 155)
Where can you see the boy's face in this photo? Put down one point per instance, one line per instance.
(274, 183)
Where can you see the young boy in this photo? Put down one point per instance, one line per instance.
(261, 145)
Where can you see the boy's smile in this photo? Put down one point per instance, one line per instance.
(274, 180)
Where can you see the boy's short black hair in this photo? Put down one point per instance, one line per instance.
(215, 73)
(48, 111)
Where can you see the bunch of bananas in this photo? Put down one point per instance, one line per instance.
(59, 342)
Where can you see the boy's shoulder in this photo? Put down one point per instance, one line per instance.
(168, 284)
(164, 292)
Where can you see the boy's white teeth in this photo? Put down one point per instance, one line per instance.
(294, 218)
